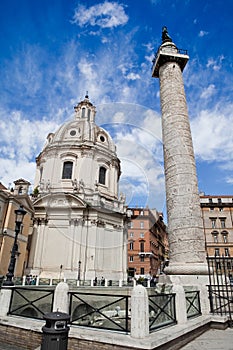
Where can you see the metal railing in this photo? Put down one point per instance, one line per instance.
(31, 302)
(101, 311)
(162, 311)
(193, 305)
(221, 299)
(221, 285)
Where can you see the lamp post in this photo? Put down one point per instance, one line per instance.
(19, 215)
(79, 270)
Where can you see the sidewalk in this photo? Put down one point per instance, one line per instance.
(213, 339)
(4, 346)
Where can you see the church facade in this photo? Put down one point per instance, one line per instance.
(80, 221)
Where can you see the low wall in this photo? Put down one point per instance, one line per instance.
(25, 338)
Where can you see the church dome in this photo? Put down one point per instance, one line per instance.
(82, 129)
(78, 151)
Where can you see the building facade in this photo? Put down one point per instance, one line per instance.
(217, 214)
(10, 200)
(147, 243)
(80, 223)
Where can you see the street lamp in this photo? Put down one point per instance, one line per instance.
(79, 270)
(19, 215)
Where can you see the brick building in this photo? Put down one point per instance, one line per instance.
(147, 243)
(10, 200)
(217, 213)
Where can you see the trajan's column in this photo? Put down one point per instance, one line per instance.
(185, 226)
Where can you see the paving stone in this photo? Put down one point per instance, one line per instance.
(213, 339)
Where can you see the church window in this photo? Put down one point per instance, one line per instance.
(83, 112)
(67, 170)
(88, 114)
(102, 175)
(20, 191)
(73, 133)
(102, 138)
(41, 172)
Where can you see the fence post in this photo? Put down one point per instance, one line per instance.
(139, 312)
(205, 299)
(24, 281)
(61, 298)
(180, 303)
(37, 281)
(5, 298)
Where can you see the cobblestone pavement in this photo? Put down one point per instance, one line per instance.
(214, 339)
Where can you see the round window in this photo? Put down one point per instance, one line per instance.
(102, 138)
(73, 132)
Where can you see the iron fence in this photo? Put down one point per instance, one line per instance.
(193, 305)
(102, 311)
(162, 311)
(31, 302)
(221, 285)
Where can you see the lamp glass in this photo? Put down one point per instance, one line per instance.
(19, 214)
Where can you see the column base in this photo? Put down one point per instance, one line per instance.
(187, 269)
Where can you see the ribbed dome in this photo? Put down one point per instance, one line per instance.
(79, 157)
(82, 130)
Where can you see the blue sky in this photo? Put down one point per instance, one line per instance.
(52, 52)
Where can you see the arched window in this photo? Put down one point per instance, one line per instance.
(41, 173)
(67, 170)
(88, 114)
(20, 190)
(83, 112)
(102, 175)
(225, 236)
(215, 236)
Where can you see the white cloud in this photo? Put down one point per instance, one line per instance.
(105, 15)
(215, 64)
(23, 140)
(208, 92)
(212, 135)
(132, 76)
(203, 33)
(86, 68)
